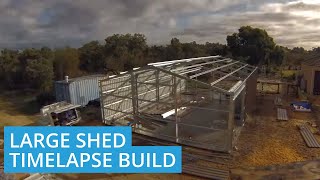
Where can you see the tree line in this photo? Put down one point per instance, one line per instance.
(39, 68)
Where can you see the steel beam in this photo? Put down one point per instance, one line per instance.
(181, 60)
(212, 70)
(231, 124)
(192, 80)
(201, 64)
(224, 77)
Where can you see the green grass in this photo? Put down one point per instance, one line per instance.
(288, 73)
(17, 109)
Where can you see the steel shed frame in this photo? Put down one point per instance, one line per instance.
(194, 101)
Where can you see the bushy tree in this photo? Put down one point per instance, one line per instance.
(9, 67)
(66, 63)
(39, 73)
(253, 43)
(123, 52)
(175, 49)
(92, 57)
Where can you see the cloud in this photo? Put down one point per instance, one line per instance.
(56, 23)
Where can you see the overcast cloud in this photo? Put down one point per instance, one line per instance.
(56, 23)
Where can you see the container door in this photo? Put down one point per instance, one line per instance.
(316, 87)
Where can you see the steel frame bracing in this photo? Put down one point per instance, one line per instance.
(185, 89)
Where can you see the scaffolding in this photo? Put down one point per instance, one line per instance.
(198, 102)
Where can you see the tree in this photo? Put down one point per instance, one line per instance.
(193, 49)
(252, 43)
(66, 63)
(9, 67)
(156, 53)
(277, 56)
(123, 52)
(295, 56)
(92, 57)
(175, 50)
(216, 49)
(40, 73)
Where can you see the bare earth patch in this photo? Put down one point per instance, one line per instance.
(267, 141)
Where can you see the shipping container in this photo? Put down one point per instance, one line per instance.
(80, 90)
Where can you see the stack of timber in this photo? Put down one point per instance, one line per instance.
(204, 171)
(217, 163)
(308, 137)
(294, 171)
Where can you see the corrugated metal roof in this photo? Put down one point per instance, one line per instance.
(82, 78)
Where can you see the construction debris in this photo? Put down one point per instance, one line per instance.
(38, 176)
(278, 101)
(282, 114)
(308, 137)
(302, 106)
(206, 172)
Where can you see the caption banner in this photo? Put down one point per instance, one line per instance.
(92, 149)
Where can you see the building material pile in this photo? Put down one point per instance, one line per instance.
(282, 114)
(308, 137)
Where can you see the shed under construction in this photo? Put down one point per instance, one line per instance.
(198, 102)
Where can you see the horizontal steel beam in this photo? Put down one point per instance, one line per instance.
(212, 70)
(191, 80)
(201, 64)
(145, 100)
(181, 60)
(224, 77)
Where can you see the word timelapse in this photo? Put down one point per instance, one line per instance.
(84, 150)
(95, 160)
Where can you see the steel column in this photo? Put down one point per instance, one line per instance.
(176, 106)
(231, 123)
(134, 93)
(243, 104)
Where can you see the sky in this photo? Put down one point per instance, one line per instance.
(58, 23)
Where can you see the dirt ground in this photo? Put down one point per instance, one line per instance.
(267, 141)
(16, 109)
(263, 140)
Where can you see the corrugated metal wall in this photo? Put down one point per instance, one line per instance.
(78, 91)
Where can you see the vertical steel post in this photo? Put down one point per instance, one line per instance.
(101, 101)
(134, 94)
(176, 106)
(231, 122)
(243, 104)
(157, 85)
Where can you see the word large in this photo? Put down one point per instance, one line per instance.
(55, 140)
